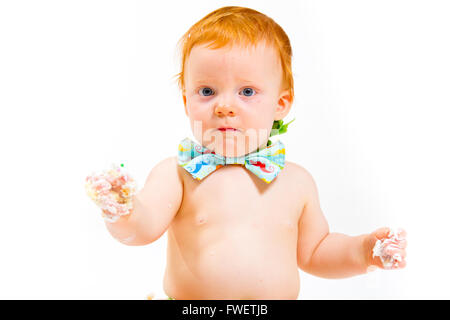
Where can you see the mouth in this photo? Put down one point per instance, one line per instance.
(227, 129)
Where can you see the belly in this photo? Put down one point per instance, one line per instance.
(245, 262)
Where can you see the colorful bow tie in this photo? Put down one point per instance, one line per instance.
(200, 161)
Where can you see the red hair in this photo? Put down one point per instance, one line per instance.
(233, 25)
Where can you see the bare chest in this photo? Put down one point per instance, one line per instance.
(234, 197)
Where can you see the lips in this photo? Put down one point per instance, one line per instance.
(227, 129)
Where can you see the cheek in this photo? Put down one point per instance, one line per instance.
(260, 115)
(197, 112)
(199, 117)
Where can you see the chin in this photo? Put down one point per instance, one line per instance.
(234, 144)
(229, 148)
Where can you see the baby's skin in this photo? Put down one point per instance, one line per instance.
(231, 235)
(222, 245)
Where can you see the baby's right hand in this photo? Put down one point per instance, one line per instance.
(112, 191)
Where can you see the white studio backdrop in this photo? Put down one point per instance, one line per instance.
(84, 84)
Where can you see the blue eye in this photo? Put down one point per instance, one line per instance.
(248, 92)
(206, 91)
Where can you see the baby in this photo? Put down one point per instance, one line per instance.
(240, 219)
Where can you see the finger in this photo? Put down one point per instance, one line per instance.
(403, 244)
(399, 252)
(401, 233)
(371, 268)
(397, 264)
(401, 264)
(399, 260)
(400, 244)
(376, 261)
(120, 181)
(400, 238)
(382, 233)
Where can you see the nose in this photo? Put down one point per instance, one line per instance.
(225, 110)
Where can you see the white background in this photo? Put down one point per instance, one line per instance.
(84, 84)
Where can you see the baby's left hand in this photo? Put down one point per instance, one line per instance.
(385, 248)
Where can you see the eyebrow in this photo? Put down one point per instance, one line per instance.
(203, 80)
(208, 80)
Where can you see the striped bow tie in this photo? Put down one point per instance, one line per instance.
(200, 161)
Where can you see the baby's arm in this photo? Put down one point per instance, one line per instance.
(331, 255)
(154, 206)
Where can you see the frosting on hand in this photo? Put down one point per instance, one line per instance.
(112, 190)
(383, 249)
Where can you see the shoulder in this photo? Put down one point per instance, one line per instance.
(167, 169)
(301, 178)
(168, 163)
(298, 171)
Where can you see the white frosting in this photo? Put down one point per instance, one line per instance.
(112, 190)
(382, 248)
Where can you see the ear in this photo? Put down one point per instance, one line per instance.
(184, 102)
(284, 105)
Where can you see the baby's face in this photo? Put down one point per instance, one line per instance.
(234, 88)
